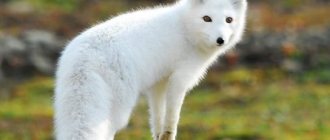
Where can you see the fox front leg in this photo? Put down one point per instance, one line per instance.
(157, 111)
(175, 94)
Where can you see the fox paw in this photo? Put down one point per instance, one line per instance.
(167, 135)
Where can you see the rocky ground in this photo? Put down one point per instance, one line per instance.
(37, 51)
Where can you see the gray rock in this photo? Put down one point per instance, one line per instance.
(43, 48)
(265, 47)
(10, 44)
(13, 55)
(41, 38)
(34, 51)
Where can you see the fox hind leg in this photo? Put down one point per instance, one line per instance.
(82, 109)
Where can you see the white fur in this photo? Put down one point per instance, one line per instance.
(161, 52)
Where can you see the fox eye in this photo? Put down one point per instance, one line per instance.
(229, 19)
(207, 19)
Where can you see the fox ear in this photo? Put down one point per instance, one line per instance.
(197, 1)
(240, 3)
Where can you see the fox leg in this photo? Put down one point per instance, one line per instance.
(157, 111)
(175, 94)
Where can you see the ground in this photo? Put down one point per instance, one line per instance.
(239, 104)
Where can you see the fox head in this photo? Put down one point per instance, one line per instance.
(214, 24)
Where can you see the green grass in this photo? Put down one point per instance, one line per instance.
(242, 104)
(63, 5)
(27, 115)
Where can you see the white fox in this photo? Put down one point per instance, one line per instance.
(160, 52)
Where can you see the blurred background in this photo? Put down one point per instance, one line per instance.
(274, 86)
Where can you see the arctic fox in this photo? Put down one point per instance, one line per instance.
(160, 52)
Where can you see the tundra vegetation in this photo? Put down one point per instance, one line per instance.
(274, 85)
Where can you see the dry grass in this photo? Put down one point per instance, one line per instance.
(266, 17)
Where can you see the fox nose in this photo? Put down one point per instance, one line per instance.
(220, 41)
